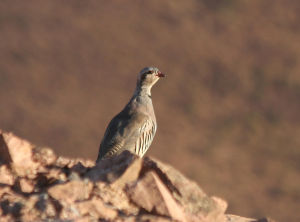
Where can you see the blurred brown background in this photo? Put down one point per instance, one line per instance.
(228, 112)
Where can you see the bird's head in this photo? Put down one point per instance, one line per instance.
(148, 76)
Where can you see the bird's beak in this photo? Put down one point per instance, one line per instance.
(160, 74)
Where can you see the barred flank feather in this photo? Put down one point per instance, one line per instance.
(147, 132)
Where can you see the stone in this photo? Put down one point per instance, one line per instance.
(38, 207)
(69, 212)
(71, 191)
(6, 176)
(84, 219)
(185, 191)
(109, 170)
(62, 161)
(44, 155)
(56, 174)
(234, 218)
(6, 218)
(79, 168)
(96, 209)
(131, 174)
(116, 197)
(27, 186)
(217, 214)
(4, 190)
(151, 194)
(146, 218)
(36, 185)
(20, 154)
(265, 220)
(5, 157)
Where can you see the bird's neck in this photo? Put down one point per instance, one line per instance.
(142, 100)
(142, 91)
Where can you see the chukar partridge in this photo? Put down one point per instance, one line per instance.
(133, 129)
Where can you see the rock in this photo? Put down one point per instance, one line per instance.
(71, 191)
(234, 218)
(11, 203)
(38, 207)
(266, 220)
(131, 174)
(116, 197)
(45, 156)
(27, 186)
(84, 163)
(146, 218)
(79, 168)
(6, 218)
(84, 219)
(4, 190)
(56, 174)
(6, 176)
(109, 170)
(5, 157)
(151, 194)
(96, 209)
(37, 185)
(62, 162)
(186, 192)
(19, 153)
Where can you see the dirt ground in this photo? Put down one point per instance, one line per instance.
(228, 111)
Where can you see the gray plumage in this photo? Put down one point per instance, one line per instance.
(133, 129)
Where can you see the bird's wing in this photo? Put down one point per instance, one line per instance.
(135, 129)
(113, 139)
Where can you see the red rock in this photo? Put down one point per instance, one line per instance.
(20, 154)
(145, 218)
(38, 207)
(5, 157)
(27, 186)
(69, 212)
(123, 188)
(151, 194)
(45, 156)
(56, 174)
(71, 191)
(131, 174)
(96, 209)
(6, 176)
(83, 162)
(116, 197)
(86, 163)
(5, 190)
(82, 219)
(234, 218)
(265, 220)
(109, 170)
(185, 191)
(62, 161)
(217, 212)
(6, 218)
(69, 163)
(79, 168)
(222, 204)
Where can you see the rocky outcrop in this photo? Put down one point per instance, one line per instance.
(36, 184)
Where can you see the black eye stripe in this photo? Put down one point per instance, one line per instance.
(148, 72)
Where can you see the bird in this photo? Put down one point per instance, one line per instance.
(134, 128)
